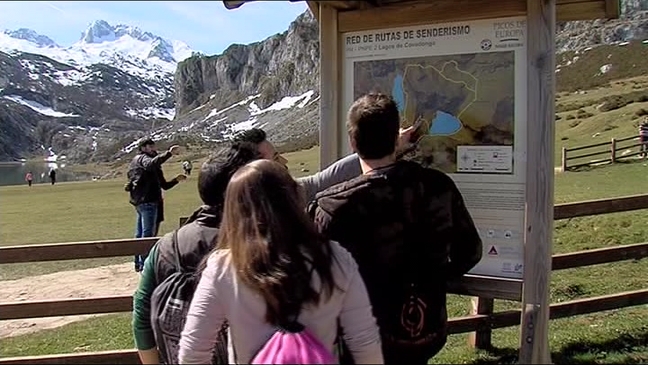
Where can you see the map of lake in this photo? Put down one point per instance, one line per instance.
(461, 100)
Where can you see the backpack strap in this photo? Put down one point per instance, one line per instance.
(177, 258)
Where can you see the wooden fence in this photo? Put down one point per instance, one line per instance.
(600, 153)
(480, 323)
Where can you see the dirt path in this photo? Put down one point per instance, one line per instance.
(94, 282)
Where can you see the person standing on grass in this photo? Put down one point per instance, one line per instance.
(643, 138)
(187, 167)
(29, 177)
(145, 183)
(52, 175)
(408, 229)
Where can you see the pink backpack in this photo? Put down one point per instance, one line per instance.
(294, 344)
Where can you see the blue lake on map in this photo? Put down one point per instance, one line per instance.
(398, 94)
(444, 124)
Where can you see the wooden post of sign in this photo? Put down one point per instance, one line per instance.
(481, 338)
(329, 83)
(534, 333)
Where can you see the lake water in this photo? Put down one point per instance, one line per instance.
(398, 94)
(14, 174)
(445, 124)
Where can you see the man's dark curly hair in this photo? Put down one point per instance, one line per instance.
(217, 171)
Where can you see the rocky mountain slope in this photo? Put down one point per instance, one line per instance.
(271, 84)
(88, 100)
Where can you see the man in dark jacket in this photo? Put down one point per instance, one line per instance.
(408, 229)
(145, 184)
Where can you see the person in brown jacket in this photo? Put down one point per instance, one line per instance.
(408, 229)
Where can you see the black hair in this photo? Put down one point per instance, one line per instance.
(217, 171)
(145, 142)
(254, 135)
(373, 122)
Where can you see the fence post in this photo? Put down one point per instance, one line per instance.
(481, 339)
(613, 150)
(564, 159)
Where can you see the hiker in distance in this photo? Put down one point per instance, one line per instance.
(145, 181)
(408, 229)
(271, 270)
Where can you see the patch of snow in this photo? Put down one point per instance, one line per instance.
(52, 157)
(77, 127)
(242, 126)
(624, 43)
(152, 112)
(254, 109)
(245, 101)
(605, 68)
(37, 107)
(285, 103)
(69, 78)
(187, 128)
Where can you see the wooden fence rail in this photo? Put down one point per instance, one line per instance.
(481, 323)
(609, 154)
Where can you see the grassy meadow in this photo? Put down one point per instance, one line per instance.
(598, 115)
(100, 210)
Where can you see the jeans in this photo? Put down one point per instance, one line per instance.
(145, 227)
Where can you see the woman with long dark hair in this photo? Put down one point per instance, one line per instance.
(271, 265)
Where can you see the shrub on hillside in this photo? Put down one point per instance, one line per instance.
(573, 105)
(614, 102)
(641, 112)
(582, 114)
(570, 117)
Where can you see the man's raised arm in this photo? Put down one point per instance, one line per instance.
(341, 170)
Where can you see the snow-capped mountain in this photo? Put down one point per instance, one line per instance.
(31, 36)
(126, 47)
(86, 100)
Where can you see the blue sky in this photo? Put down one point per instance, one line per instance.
(205, 26)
